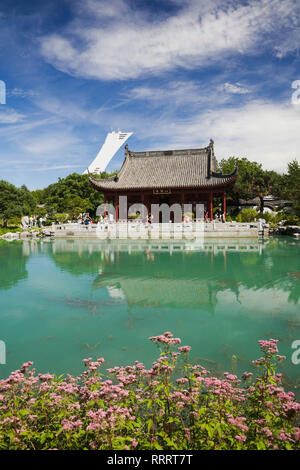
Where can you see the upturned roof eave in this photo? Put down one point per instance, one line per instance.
(102, 185)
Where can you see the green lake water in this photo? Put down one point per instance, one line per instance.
(64, 300)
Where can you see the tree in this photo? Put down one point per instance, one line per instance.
(252, 180)
(76, 205)
(27, 200)
(247, 215)
(291, 184)
(267, 184)
(38, 195)
(14, 202)
(71, 194)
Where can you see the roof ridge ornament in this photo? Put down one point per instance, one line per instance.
(209, 158)
(127, 151)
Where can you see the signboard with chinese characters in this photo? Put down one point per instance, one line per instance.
(161, 191)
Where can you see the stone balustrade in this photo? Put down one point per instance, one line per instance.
(137, 229)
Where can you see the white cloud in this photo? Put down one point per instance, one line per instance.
(10, 116)
(67, 110)
(135, 45)
(49, 143)
(19, 92)
(23, 125)
(41, 143)
(185, 94)
(264, 132)
(105, 8)
(235, 88)
(57, 167)
(173, 93)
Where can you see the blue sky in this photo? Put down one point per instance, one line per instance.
(176, 73)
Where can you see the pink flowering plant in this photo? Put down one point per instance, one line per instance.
(174, 405)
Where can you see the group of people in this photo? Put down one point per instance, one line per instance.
(219, 216)
(32, 221)
(148, 219)
(85, 219)
(108, 218)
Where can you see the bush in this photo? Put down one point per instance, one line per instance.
(62, 217)
(291, 220)
(14, 222)
(173, 405)
(133, 216)
(274, 218)
(3, 230)
(189, 214)
(247, 215)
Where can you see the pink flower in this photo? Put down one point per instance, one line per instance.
(93, 427)
(46, 377)
(87, 361)
(246, 375)
(26, 365)
(241, 438)
(184, 349)
(297, 434)
(183, 380)
(134, 442)
(230, 377)
(267, 431)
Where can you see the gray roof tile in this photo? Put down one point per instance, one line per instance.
(166, 169)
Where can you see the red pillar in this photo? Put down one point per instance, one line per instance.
(224, 205)
(211, 206)
(143, 201)
(147, 204)
(182, 204)
(117, 207)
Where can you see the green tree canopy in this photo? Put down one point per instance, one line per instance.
(14, 202)
(290, 186)
(72, 195)
(253, 181)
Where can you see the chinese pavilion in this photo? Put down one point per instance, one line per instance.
(171, 176)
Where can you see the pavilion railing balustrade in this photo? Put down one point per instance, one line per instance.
(153, 230)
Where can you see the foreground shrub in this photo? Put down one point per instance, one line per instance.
(247, 215)
(291, 220)
(173, 405)
(3, 230)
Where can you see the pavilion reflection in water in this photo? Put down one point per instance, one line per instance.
(182, 274)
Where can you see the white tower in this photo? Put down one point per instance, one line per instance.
(112, 143)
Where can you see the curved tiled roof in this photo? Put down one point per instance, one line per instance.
(189, 168)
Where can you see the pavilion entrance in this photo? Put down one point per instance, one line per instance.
(197, 205)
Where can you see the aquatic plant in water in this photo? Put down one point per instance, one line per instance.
(173, 405)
